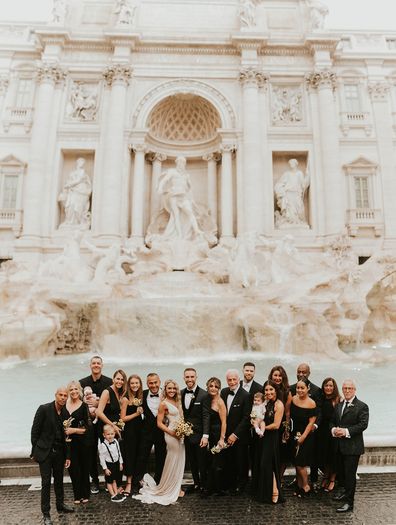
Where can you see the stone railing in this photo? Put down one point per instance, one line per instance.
(11, 219)
(355, 119)
(20, 116)
(364, 218)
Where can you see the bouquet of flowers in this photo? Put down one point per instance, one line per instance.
(136, 402)
(218, 448)
(67, 424)
(296, 438)
(120, 424)
(183, 428)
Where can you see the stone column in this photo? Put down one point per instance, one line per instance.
(47, 76)
(138, 192)
(379, 93)
(253, 175)
(324, 82)
(226, 195)
(212, 159)
(117, 77)
(3, 90)
(155, 200)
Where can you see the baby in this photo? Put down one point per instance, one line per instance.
(258, 413)
(89, 398)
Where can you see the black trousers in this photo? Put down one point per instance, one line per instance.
(146, 444)
(236, 466)
(93, 453)
(346, 473)
(196, 457)
(79, 467)
(52, 466)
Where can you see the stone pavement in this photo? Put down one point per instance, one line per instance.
(375, 505)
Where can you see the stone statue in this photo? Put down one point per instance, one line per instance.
(75, 197)
(110, 263)
(83, 102)
(318, 11)
(287, 104)
(289, 193)
(125, 12)
(59, 12)
(247, 13)
(175, 188)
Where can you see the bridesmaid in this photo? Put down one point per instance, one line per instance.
(268, 482)
(325, 441)
(303, 414)
(217, 430)
(279, 376)
(131, 411)
(79, 446)
(109, 407)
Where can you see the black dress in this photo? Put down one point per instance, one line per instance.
(305, 453)
(80, 453)
(131, 441)
(268, 461)
(215, 461)
(326, 444)
(112, 411)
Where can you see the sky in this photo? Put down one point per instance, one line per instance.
(344, 14)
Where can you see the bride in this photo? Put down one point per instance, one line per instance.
(169, 488)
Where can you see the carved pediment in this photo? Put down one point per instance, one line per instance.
(361, 164)
(12, 162)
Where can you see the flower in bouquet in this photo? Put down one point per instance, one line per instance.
(218, 448)
(183, 428)
(136, 402)
(296, 438)
(67, 424)
(120, 424)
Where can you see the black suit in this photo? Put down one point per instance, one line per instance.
(199, 416)
(355, 418)
(238, 423)
(50, 450)
(151, 436)
(254, 388)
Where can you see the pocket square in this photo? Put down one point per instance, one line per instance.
(199, 402)
(235, 406)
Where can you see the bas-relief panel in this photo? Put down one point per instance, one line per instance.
(283, 19)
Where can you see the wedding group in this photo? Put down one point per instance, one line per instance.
(235, 438)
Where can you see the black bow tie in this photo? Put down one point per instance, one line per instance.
(190, 392)
(231, 393)
(154, 395)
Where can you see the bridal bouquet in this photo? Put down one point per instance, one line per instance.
(183, 428)
(67, 424)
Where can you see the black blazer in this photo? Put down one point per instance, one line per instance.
(198, 414)
(150, 430)
(355, 418)
(254, 388)
(238, 418)
(44, 431)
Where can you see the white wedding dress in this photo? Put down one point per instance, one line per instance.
(168, 489)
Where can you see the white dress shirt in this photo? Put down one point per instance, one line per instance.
(247, 386)
(230, 398)
(153, 403)
(188, 398)
(110, 453)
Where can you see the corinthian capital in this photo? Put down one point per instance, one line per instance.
(215, 156)
(117, 73)
(138, 148)
(318, 79)
(378, 90)
(47, 72)
(227, 148)
(153, 156)
(3, 85)
(252, 76)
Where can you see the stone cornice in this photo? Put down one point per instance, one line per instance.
(323, 78)
(52, 37)
(117, 73)
(118, 38)
(323, 44)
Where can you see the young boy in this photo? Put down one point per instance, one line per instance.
(258, 413)
(112, 463)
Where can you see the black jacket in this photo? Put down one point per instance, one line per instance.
(238, 418)
(150, 430)
(198, 413)
(355, 418)
(43, 432)
(254, 388)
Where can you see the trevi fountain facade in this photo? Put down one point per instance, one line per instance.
(187, 178)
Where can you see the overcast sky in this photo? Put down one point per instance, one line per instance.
(352, 14)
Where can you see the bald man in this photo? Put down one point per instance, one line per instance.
(50, 451)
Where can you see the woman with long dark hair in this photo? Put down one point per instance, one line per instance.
(109, 408)
(324, 439)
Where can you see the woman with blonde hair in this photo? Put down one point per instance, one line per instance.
(77, 435)
(170, 413)
(131, 415)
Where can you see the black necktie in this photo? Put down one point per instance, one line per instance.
(154, 395)
(231, 393)
(190, 392)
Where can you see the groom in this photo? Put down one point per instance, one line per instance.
(196, 412)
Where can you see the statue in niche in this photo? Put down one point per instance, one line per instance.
(318, 11)
(83, 102)
(59, 12)
(289, 193)
(175, 188)
(247, 13)
(287, 105)
(125, 13)
(75, 197)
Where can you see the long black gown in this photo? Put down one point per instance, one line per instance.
(112, 411)
(269, 462)
(326, 444)
(131, 441)
(80, 453)
(305, 453)
(215, 461)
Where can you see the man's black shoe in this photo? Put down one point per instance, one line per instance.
(47, 519)
(345, 508)
(94, 488)
(339, 497)
(191, 489)
(65, 509)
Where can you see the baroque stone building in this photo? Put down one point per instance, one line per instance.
(237, 88)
